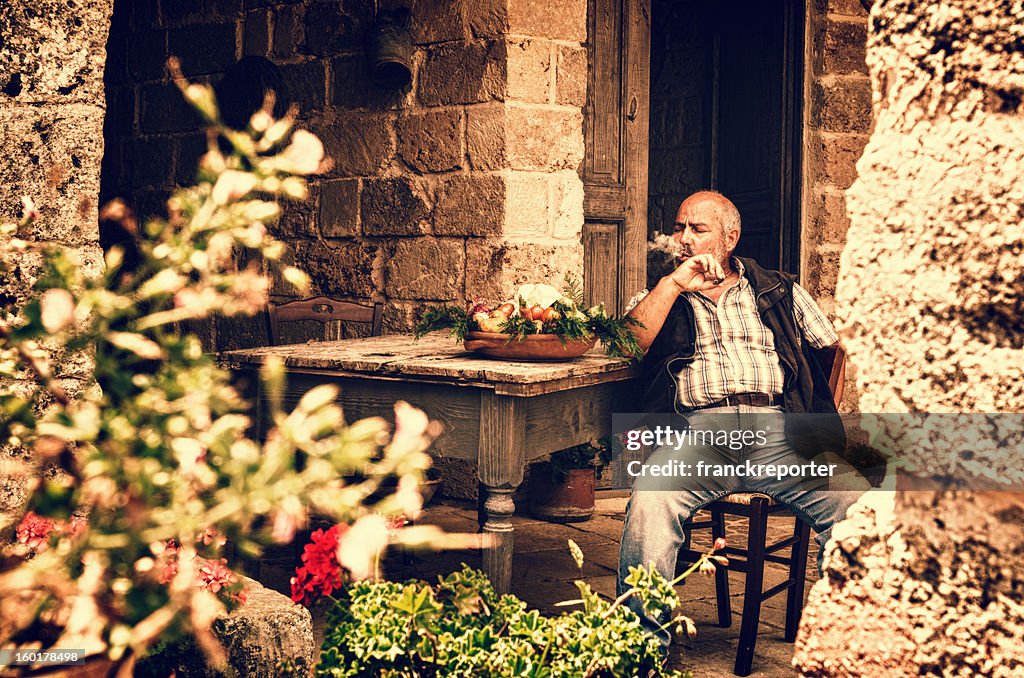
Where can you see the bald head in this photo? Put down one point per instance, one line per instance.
(724, 211)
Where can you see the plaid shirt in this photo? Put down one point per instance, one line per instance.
(735, 351)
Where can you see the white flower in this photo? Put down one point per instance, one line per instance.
(304, 153)
(57, 310)
(232, 185)
(359, 548)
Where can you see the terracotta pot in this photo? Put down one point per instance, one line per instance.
(568, 502)
(531, 347)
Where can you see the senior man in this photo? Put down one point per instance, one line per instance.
(728, 344)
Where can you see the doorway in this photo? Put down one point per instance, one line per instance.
(725, 113)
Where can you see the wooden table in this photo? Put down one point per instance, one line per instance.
(500, 414)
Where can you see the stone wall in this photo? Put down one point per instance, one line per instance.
(837, 120)
(929, 302)
(464, 184)
(51, 113)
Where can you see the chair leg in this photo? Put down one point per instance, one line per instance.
(754, 588)
(798, 573)
(721, 574)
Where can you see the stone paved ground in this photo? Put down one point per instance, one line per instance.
(543, 573)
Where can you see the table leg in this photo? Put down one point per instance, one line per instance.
(497, 560)
(500, 463)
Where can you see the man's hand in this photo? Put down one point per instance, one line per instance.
(698, 273)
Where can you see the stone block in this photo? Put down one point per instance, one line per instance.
(425, 268)
(287, 31)
(526, 204)
(841, 104)
(529, 71)
(52, 51)
(566, 20)
(496, 267)
(487, 18)
(258, 636)
(350, 81)
(152, 162)
(841, 46)
(486, 136)
(571, 76)
(394, 207)
(56, 153)
(544, 138)
(146, 55)
(400, 316)
(180, 12)
(240, 332)
(190, 149)
(463, 73)
(470, 205)
(162, 108)
(300, 218)
(339, 208)
(225, 10)
(437, 21)
(205, 48)
(360, 144)
(843, 7)
(827, 218)
(822, 273)
(431, 141)
(256, 33)
(833, 157)
(340, 268)
(307, 85)
(567, 205)
(335, 26)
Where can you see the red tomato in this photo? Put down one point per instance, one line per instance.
(507, 309)
(536, 312)
(550, 314)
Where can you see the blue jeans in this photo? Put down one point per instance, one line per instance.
(653, 532)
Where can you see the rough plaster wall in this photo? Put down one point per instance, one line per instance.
(930, 301)
(51, 115)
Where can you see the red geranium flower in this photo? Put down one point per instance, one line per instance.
(320, 573)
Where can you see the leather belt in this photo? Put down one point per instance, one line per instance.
(752, 399)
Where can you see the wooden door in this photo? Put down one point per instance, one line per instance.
(754, 94)
(615, 166)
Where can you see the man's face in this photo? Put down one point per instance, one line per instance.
(698, 230)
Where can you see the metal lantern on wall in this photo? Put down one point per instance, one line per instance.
(391, 49)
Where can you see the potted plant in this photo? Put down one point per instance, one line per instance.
(562, 488)
(137, 481)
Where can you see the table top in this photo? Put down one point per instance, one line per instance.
(437, 358)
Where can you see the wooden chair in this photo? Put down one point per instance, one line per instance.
(751, 560)
(323, 310)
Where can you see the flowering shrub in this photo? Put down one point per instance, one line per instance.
(462, 627)
(156, 454)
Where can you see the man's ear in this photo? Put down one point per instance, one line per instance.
(732, 237)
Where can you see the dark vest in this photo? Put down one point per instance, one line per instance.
(805, 384)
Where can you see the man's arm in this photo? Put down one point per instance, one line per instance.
(695, 274)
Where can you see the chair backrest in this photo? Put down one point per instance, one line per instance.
(323, 310)
(835, 362)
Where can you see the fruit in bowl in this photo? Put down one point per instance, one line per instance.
(536, 315)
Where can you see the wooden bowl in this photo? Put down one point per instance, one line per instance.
(532, 347)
